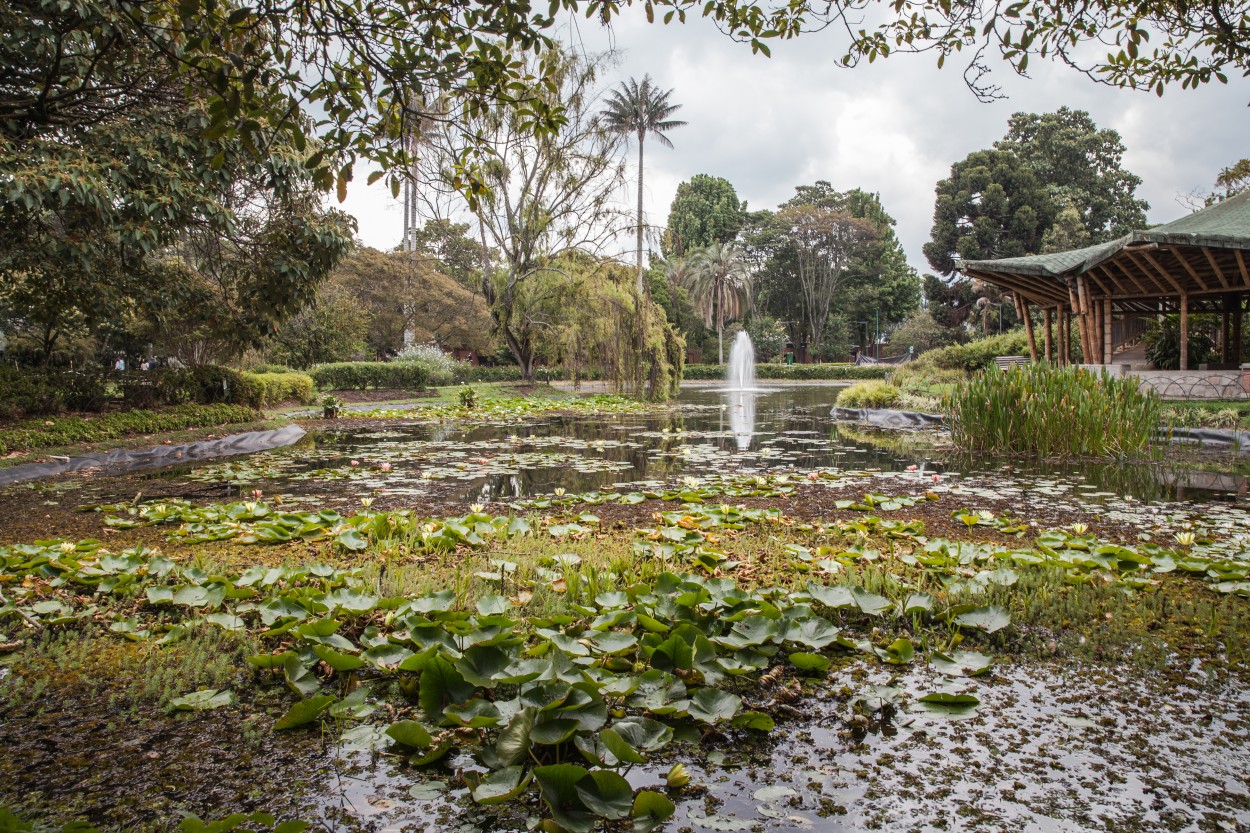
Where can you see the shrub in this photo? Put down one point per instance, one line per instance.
(1163, 344)
(365, 375)
(271, 368)
(273, 388)
(1048, 412)
(440, 367)
(874, 394)
(35, 392)
(466, 372)
(979, 354)
(794, 372)
(204, 385)
(60, 431)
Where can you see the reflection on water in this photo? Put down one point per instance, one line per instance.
(713, 431)
(741, 407)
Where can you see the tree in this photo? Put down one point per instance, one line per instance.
(331, 329)
(550, 195)
(641, 109)
(411, 302)
(1233, 180)
(1081, 167)
(705, 210)
(991, 206)
(720, 285)
(446, 247)
(922, 333)
(824, 242)
(1068, 232)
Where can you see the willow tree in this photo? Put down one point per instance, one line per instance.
(719, 281)
(641, 110)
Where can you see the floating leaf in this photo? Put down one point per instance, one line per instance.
(503, 785)
(203, 700)
(962, 663)
(988, 619)
(304, 712)
(409, 733)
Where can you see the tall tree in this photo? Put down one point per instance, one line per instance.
(550, 195)
(705, 210)
(640, 109)
(1080, 167)
(720, 286)
(991, 206)
(1231, 181)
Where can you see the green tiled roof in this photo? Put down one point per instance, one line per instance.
(1223, 225)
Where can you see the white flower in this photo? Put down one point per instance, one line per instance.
(476, 508)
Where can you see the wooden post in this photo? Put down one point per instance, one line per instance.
(1107, 346)
(1237, 314)
(1074, 299)
(1184, 332)
(1065, 337)
(1048, 335)
(1225, 346)
(1022, 310)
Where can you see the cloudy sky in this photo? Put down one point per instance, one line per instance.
(894, 127)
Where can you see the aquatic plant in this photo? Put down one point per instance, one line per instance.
(873, 394)
(1045, 411)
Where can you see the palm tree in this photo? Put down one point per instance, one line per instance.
(720, 286)
(641, 109)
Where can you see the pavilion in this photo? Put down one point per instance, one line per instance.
(1195, 264)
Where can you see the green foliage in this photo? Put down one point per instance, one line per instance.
(331, 329)
(204, 385)
(366, 375)
(768, 337)
(273, 388)
(705, 210)
(34, 392)
(796, 372)
(1163, 343)
(1081, 168)
(1043, 411)
(874, 394)
(979, 354)
(922, 333)
(991, 206)
(29, 436)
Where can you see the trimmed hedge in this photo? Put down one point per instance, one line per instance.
(796, 372)
(35, 392)
(50, 433)
(272, 388)
(365, 375)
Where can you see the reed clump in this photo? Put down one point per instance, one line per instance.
(1040, 410)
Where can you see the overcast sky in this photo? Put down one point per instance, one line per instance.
(894, 127)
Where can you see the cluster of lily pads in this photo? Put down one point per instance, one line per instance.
(608, 683)
(512, 409)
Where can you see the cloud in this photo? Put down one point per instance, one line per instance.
(893, 127)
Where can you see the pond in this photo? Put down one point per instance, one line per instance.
(709, 431)
(1138, 737)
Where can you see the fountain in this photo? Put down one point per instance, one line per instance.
(741, 374)
(741, 390)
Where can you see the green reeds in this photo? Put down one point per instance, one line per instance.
(1044, 411)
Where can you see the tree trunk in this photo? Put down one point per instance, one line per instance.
(720, 344)
(639, 218)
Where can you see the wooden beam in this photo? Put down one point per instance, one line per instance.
(1238, 312)
(1241, 264)
(1184, 332)
(1109, 275)
(1219, 273)
(1167, 276)
(1017, 283)
(1160, 286)
(1176, 253)
(1049, 335)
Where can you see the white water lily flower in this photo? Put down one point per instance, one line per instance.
(1185, 539)
(366, 502)
(476, 508)
(560, 491)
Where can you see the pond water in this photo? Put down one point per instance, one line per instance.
(710, 431)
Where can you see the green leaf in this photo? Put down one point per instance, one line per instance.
(988, 619)
(650, 810)
(810, 662)
(299, 678)
(962, 663)
(618, 746)
(558, 784)
(711, 705)
(870, 603)
(410, 733)
(756, 721)
(501, 786)
(476, 714)
(304, 712)
(336, 660)
(203, 700)
(606, 794)
(514, 741)
(948, 698)
(440, 686)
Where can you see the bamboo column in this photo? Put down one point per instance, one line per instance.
(1075, 301)
(1107, 346)
(1237, 313)
(1022, 310)
(1048, 335)
(1225, 346)
(1184, 332)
